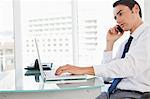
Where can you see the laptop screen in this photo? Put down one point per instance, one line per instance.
(39, 61)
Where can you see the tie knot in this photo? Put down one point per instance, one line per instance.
(130, 38)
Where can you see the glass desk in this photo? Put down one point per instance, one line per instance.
(36, 89)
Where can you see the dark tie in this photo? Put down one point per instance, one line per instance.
(115, 82)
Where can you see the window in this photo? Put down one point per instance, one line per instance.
(94, 20)
(50, 22)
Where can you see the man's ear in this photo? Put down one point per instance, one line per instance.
(135, 9)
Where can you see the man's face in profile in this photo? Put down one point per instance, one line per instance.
(124, 17)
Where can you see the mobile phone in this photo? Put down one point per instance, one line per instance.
(119, 29)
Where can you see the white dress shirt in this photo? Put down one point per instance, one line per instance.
(135, 67)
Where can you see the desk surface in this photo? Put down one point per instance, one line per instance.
(30, 85)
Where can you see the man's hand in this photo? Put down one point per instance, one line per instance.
(112, 35)
(74, 70)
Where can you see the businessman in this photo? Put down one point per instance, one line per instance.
(131, 66)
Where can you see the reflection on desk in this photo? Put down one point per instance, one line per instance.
(35, 73)
(77, 84)
(87, 89)
(30, 84)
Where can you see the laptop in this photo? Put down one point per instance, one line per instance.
(49, 75)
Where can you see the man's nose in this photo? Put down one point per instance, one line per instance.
(118, 20)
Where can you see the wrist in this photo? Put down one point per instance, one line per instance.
(88, 70)
(109, 46)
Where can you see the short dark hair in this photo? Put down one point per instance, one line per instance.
(129, 3)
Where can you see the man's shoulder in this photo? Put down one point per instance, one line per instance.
(146, 29)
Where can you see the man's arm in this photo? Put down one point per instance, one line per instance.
(75, 70)
(112, 36)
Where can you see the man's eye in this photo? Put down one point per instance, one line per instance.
(120, 14)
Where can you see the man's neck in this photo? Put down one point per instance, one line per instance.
(137, 24)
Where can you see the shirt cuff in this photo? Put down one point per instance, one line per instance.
(100, 70)
(107, 57)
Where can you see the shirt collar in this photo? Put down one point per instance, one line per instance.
(138, 31)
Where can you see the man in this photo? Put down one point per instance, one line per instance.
(131, 66)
